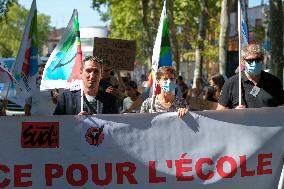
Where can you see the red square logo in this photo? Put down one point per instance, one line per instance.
(40, 135)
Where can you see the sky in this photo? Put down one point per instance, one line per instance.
(61, 11)
(253, 3)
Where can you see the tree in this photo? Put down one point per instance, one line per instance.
(12, 29)
(139, 20)
(224, 35)
(200, 39)
(146, 26)
(173, 38)
(276, 37)
(4, 7)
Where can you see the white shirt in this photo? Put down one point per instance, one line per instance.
(127, 102)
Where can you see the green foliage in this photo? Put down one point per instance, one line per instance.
(4, 7)
(126, 23)
(12, 29)
(259, 32)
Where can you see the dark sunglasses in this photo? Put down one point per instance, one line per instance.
(257, 60)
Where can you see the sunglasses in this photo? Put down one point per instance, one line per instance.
(250, 61)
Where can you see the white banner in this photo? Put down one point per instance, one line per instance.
(236, 149)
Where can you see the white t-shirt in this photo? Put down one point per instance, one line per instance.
(127, 102)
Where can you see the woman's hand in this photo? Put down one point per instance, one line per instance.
(182, 112)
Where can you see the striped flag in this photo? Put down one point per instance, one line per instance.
(25, 68)
(244, 25)
(162, 51)
(63, 67)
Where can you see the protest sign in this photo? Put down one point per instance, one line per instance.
(119, 53)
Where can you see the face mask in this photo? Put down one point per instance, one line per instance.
(168, 86)
(254, 68)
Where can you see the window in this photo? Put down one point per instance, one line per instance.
(258, 22)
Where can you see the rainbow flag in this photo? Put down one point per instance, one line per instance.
(63, 66)
(162, 50)
(25, 68)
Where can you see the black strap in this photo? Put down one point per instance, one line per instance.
(89, 105)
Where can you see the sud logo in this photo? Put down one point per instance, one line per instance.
(40, 135)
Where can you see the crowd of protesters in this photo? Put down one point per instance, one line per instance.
(105, 92)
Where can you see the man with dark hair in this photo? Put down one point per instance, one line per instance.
(94, 100)
(110, 84)
(258, 88)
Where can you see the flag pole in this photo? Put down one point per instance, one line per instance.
(281, 180)
(156, 55)
(240, 71)
(82, 93)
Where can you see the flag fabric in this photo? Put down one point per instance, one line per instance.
(244, 25)
(6, 75)
(162, 50)
(25, 67)
(63, 67)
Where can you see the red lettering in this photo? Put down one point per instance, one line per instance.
(70, 175)
(128, 173)
(198, 168)
(18, 175)
(153, 178)
(49, 175)
(108, 178)
(220, 167)
(262, 163)
(6, 181)
(180, 169)
(243, 166)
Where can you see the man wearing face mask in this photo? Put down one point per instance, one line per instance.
(167, 100)
(259, 88)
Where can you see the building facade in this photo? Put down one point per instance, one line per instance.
(87, 35)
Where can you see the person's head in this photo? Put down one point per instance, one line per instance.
(217, 80)
(143, 77)
(166, 78)
(107, 70)
(131, 88)
(252, 58)
(91, 72)
(199, 82)
(180, 80)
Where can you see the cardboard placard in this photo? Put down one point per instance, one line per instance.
(120, 53)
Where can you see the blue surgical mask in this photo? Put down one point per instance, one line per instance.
(168, 86)
(254, 68)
